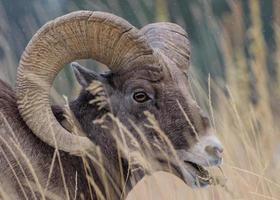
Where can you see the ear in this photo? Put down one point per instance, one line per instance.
(84, 75)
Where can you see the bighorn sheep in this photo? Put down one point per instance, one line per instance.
(147, 79)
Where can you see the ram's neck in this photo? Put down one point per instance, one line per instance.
(85, 113)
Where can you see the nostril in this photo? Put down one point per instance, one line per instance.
(218, 149)
(214, 150)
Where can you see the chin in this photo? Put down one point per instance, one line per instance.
(195, 175)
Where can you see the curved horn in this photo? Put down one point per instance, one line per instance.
(171, 39)
(78, 35)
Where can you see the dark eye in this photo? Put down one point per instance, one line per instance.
(140, 97)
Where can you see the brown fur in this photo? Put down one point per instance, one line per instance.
(165, 90)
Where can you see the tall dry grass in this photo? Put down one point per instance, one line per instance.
(244, 108)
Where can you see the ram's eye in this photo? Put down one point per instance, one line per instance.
(140, 97)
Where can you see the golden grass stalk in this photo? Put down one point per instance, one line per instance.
(258, 62)
(232, 44)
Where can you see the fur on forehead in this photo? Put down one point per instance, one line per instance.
(149, 73)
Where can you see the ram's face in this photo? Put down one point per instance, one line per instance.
(168, 99)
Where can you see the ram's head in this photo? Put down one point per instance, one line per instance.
(148, 74)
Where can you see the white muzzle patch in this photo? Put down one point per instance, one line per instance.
(206, 152)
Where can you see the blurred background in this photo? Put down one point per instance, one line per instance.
(226, 35)
(235, 66)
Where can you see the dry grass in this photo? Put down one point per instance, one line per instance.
(249, 131)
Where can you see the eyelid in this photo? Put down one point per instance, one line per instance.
(139, 90)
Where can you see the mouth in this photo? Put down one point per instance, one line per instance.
(193, 174)
(197, 175)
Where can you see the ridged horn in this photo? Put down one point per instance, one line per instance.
(172, 40)
(79, 35)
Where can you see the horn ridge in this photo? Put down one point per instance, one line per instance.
(79, 35)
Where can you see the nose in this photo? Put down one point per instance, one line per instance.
(215, 150)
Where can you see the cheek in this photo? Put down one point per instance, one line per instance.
(123, 105)
(178, 129)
